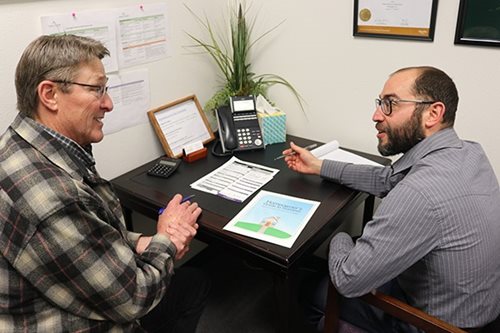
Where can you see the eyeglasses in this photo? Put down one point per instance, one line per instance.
(98, 90)
(386, 103)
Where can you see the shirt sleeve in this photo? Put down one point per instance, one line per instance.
(133, 238)
(80, 262)
(366, 178)
(403, 231)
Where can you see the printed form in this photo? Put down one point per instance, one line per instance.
(235, 180)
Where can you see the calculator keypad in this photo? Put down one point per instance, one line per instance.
(163, 168)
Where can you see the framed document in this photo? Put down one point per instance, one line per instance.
(180, 124)
(478, 23)
(406, 19)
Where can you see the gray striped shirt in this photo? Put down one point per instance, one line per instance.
(437, 230)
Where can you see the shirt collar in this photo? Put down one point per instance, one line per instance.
(444, 138)
(83, 154)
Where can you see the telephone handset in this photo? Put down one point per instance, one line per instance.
(227, 132)
(239, 127)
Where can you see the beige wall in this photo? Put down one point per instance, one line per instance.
(337, 74)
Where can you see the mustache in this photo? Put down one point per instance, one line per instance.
(379, 127)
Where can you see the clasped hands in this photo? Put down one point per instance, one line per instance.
(178, 223)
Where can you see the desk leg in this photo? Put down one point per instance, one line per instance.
(368, 210)
(289, 318)
(283, 299)
(127, 214)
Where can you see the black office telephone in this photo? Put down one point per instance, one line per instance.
(239, 128)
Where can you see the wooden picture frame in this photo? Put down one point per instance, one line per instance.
(404, 19)
(478, 23)
(179, 124)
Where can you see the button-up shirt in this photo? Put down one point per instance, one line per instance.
(68, 263)
(437, 230)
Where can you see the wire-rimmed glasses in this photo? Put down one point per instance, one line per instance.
(98, 90)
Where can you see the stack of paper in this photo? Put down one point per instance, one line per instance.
(331, 151)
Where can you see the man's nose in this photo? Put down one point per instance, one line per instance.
(378, 116)
(107, 102)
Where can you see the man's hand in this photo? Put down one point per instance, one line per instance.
(302, 161)
(178, 223)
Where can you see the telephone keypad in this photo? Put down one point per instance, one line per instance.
(249, 137)
(248, 131)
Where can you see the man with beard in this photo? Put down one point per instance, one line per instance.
(434, 237)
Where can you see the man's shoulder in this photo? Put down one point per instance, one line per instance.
(452, 171)
(31, 180)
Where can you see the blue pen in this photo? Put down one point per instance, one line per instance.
(182, 201)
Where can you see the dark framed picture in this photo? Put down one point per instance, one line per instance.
(404, 19)
(478, 23)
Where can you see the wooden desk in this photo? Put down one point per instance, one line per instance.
(145, 194)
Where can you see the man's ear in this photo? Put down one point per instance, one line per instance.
(47, 94)
(434, 115)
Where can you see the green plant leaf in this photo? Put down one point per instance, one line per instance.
(231, 55)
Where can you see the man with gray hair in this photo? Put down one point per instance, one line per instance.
(68, 263)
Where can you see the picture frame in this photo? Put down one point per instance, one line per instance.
(478, 23)
(401, 19)
(180, 124)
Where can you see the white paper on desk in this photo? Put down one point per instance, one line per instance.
(331, 151)
(235, 180)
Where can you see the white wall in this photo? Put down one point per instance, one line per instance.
(338, 75)
(180, 75)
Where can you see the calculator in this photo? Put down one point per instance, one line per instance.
(164, 167)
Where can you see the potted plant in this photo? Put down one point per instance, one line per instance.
(231, 53)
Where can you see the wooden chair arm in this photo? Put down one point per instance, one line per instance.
(409, 314)
(390, 305)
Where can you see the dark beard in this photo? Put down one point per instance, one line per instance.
(403, 138)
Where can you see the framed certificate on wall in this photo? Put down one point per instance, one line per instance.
(405, 19)
(478, 23)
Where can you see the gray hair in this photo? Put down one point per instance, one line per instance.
(52, 58)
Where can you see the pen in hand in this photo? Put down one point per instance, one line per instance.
(294, 152)
(189, 197)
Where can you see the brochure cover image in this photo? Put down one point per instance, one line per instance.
(273, 217)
